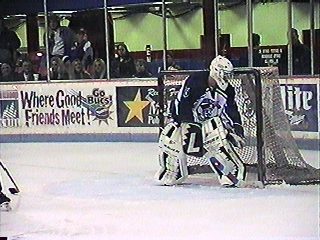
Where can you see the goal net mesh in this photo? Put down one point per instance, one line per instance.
(281, 158)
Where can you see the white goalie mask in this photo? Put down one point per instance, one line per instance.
(221, 69)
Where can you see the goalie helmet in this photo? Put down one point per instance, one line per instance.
(220, 70)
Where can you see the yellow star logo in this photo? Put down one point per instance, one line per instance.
(135, 107)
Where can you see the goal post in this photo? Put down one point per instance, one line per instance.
(259, 119)
(270, 151)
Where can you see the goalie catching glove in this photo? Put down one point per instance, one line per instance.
(235, 136)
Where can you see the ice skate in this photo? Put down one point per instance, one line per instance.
(4, 202)
(5, 207)
(250, 184)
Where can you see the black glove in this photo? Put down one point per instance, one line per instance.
(238, 129)
(236, 140)
(236, 136)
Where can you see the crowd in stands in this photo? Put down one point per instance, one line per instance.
(72, 56)
(64, 68)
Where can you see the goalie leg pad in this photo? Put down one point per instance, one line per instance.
(174, 171)
(222, 157)
(192, 139)
(170, 140)
(172, 160)
(230, 173)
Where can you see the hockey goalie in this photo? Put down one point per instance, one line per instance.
(204, 121)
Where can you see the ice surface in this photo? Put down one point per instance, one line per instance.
(106, 191)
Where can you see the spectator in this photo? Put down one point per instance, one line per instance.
(9, 43)
(57, 70)
(61, 39)
(123, 66)
(77, 71)
(257, 60)
(7, 74)
(301, 57)
(83, 49)
(17, 66)
(142, 69)
(67, 65)
(27, 73)
(99, 69)
(171, 63)
(224, 45)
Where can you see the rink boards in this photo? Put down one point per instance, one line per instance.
(119, 110)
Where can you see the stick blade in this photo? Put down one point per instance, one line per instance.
(251, 184)
(13, 190)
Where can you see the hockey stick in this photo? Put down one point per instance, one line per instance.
(11, 190)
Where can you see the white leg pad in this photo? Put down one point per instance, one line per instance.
(222, 157)
(172, 160)
(174, 172)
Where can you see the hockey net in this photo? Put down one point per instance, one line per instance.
(270, 148)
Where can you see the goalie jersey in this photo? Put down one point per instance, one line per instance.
(197, 102)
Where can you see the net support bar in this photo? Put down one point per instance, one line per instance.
(259, 120)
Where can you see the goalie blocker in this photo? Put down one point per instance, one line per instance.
(209, 139)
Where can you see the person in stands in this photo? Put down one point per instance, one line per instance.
(7, 74)
(83, 49)
(57, 69)
(27, 73)
(77, 71)
(142, 69)
(9, 43)
(257, 60)
(123, 65)
(61, 38)
(301, 57)
(99, 69)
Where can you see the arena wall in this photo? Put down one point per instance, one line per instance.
(121, 110)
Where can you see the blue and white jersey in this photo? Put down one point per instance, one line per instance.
(197, 102)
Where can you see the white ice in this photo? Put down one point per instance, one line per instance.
(106, 191)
